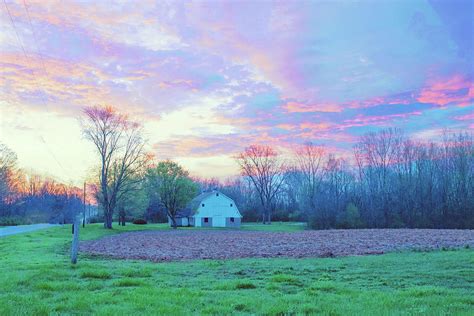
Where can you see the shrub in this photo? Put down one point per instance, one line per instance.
(139, 221)
(350, 218)
(96, 219)
(14, 221)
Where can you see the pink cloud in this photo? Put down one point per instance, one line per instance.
(379, 120)
(315, 126)
(305, 126)
(379, 100)
(466, 117)
(458, 90)
(57, 83)
(296, 107)
(329, 136)
(286, 126)
(177, 83)
(28, 76)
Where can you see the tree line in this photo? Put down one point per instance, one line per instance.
(393, 181)
(389, 180)
(28, 198)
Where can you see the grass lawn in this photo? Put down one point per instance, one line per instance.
(37, 278)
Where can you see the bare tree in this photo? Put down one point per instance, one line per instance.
(265, 168)
(8, 158)
(120, 145)
(9, 176)
(309, 163)
(375, 154)
(34, 184)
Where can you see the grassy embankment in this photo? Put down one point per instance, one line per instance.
(37, 278)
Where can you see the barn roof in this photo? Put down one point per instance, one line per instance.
(194, 204)
(184, 212)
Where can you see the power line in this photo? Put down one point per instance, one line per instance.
(34, 37)
(14, 28)
(42, 95)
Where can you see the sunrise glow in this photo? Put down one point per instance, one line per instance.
(209, 78)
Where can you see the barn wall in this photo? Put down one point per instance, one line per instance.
(235, 224)
(208, 224)
(170, 222)
(179, 221)
(218, 221)
(219, 208)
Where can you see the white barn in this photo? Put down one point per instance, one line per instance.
(210, 209)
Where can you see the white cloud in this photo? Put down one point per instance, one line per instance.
(219, 166)
(195, 119)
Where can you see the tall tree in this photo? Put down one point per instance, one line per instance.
(310, 160)
(174, 186)
(265, 168)
(120, 146)
(376, 154)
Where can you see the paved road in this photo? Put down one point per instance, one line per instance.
(11, 230)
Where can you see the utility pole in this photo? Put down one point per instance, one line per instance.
(84, 211)
(75, 239)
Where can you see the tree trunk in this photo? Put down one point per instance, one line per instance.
(122, 218)
(173, 223)
(108, 220)
(266, 215)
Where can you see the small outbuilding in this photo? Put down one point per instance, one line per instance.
(210, 209)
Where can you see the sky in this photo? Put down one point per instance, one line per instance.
(208, 78)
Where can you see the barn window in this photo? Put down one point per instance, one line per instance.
(231, 205)
(206, 220)
(202, 204)
(231, 219)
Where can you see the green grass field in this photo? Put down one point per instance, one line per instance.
(36, 278)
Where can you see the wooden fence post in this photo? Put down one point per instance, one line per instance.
(84, 211)
(75, 239)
